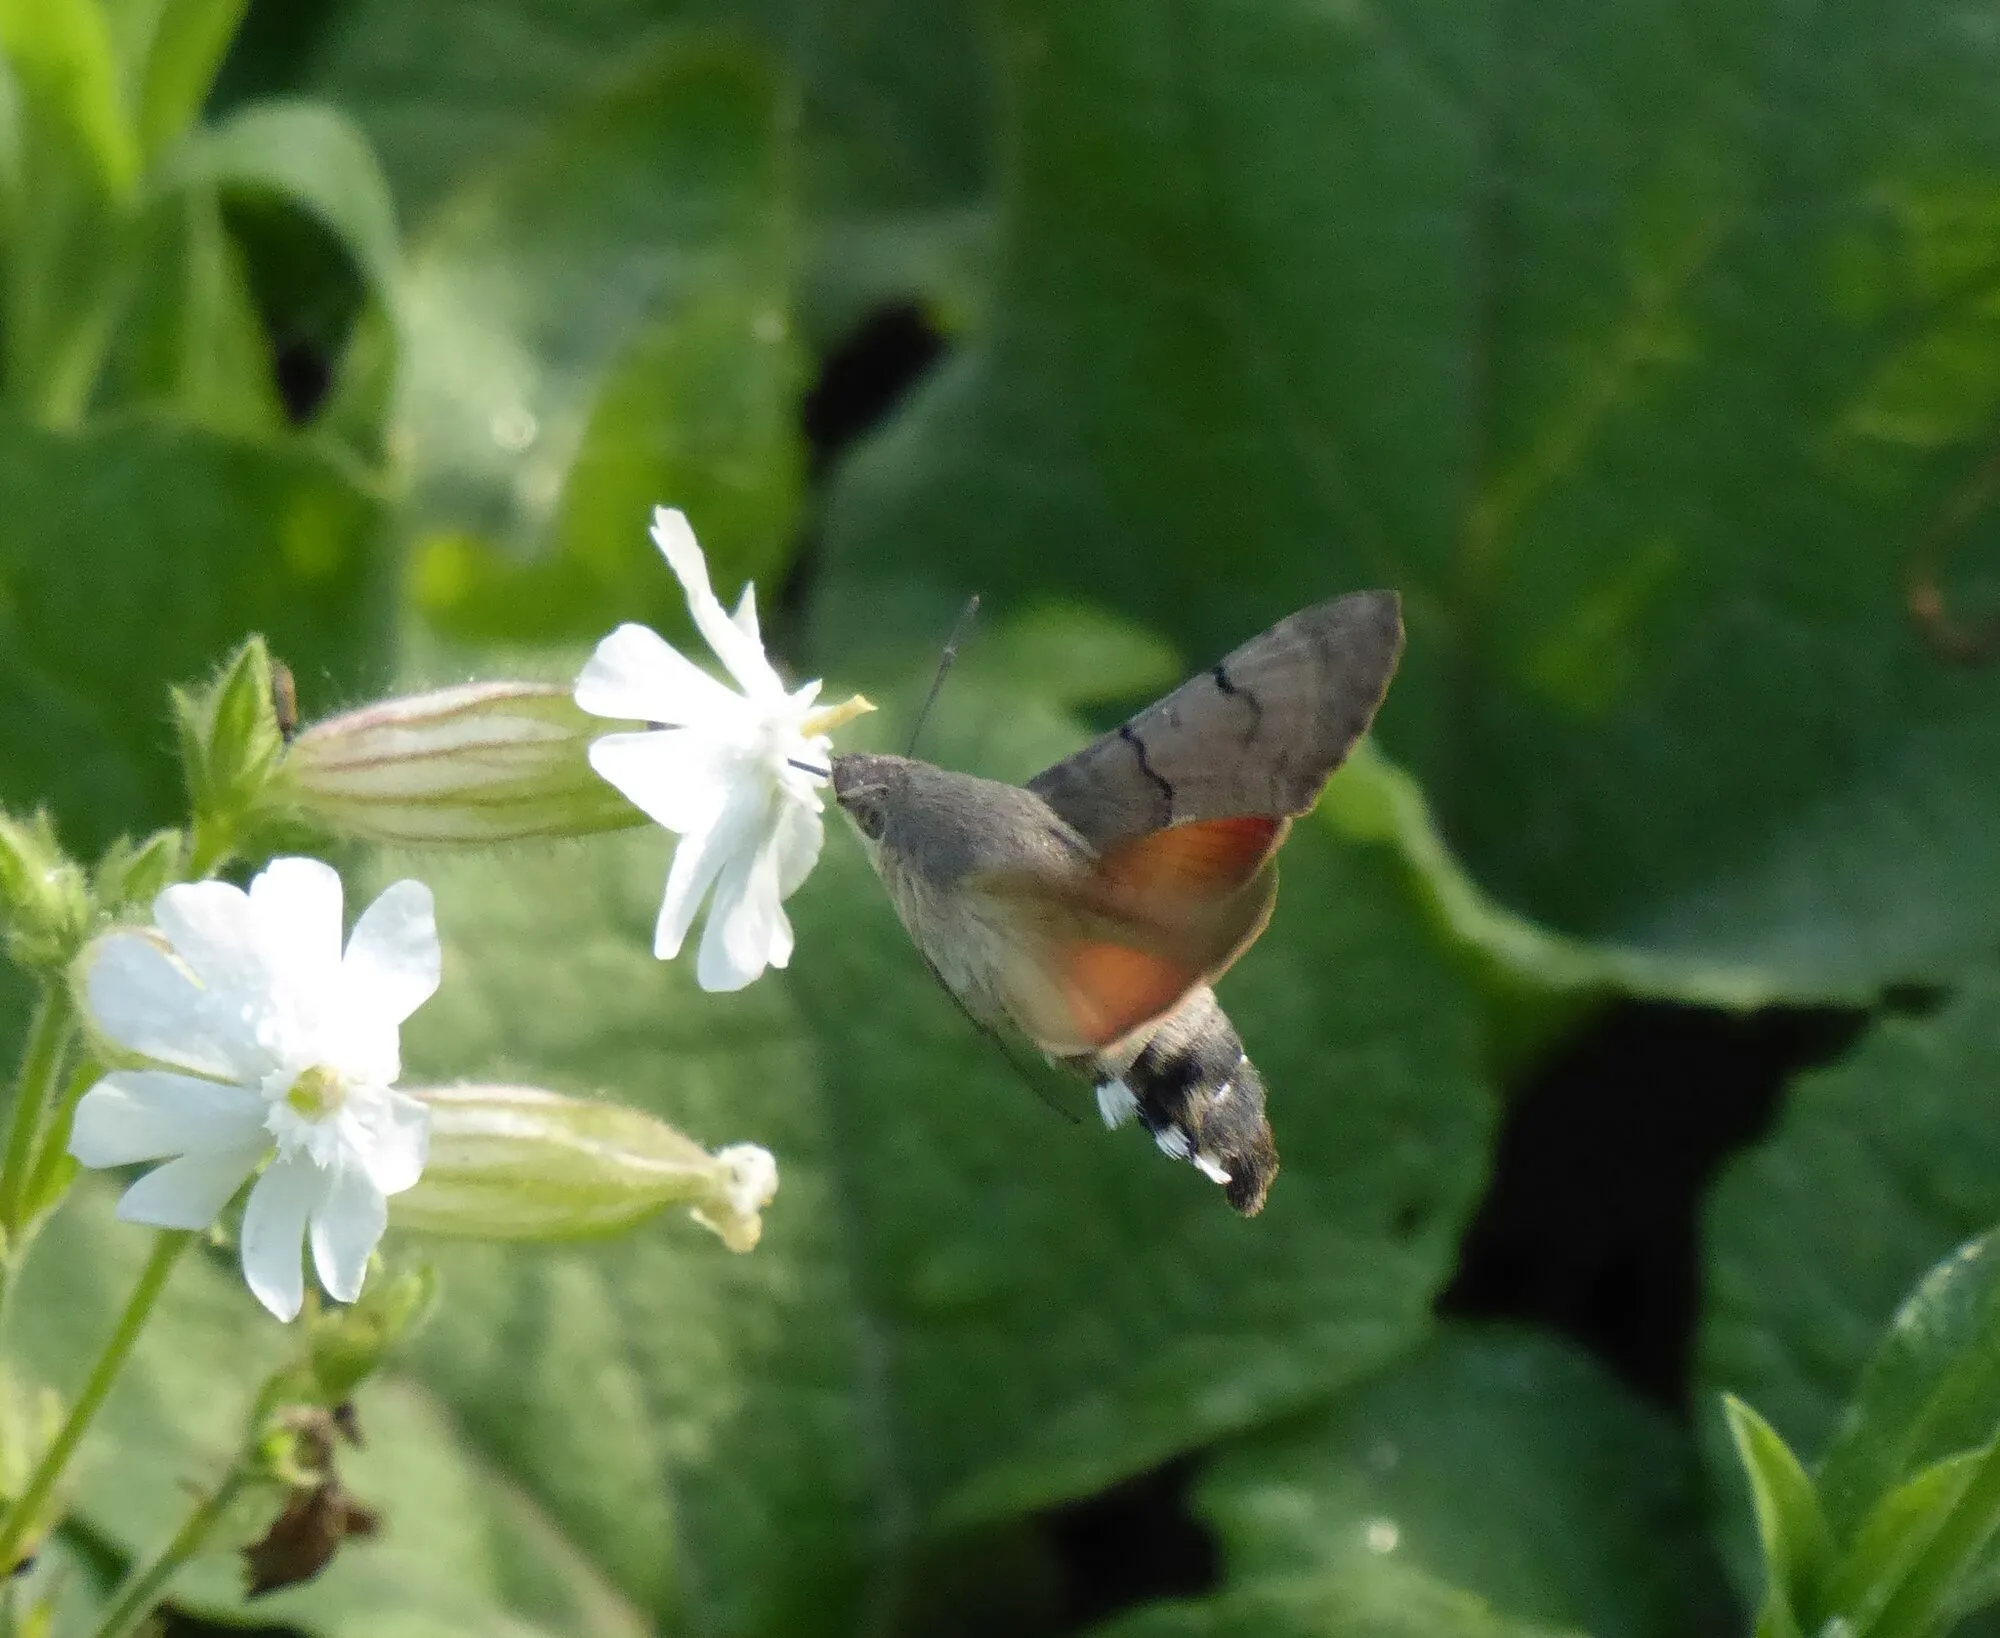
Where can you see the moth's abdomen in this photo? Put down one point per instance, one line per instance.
(1195, 1089)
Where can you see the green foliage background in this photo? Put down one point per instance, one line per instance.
(1650, 348)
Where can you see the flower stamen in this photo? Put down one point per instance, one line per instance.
(828, 718)
(317, 1093)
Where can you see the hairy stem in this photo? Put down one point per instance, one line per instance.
(49, 1035)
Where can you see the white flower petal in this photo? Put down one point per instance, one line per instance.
(274, 1232)
(346, 1227)
(189, 1193)
(740, 655)
(637, 674)
(699, 858)
(800, 834)
(144, 1114)
(298, 914)
(746, 923)
(213, 929)
(746, 615)
(152, 1005)
(395, 1143)
(677, 778)
(393, 961)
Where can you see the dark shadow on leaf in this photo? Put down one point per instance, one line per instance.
(1130, 1545)
(1590, 1223)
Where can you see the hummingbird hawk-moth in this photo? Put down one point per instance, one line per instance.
(1092, 909)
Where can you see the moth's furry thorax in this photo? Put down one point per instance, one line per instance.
(931, 835)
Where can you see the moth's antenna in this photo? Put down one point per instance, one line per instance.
(945, 659)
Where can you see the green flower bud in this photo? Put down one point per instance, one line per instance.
(230, 743)
(517, 1163)
(131, 875)
(44, 900)
(483, 762)
(346, 1345)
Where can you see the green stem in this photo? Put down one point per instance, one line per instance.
(142, 1590)
(211, 845)
(1915, 1608)
(41, 1065)
(49, 1036)
(42, 1186)
(21, 1517)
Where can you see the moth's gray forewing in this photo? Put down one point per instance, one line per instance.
(1256, 733)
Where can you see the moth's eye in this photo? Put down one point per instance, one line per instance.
(872, 820)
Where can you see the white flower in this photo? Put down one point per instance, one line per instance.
(736, 775)
(271, 1044)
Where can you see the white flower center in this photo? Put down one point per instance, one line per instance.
(304, 1116)
(317, 1093)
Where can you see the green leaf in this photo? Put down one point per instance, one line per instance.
(1495, 1463)
(63, 57)
(1539, 981)
(1380, 1600)
(1879, 1166)
(184, 44)
(895, 108)
(462, 1554)
(1502, 1465)
(315, 159)
(1623, 340)
(191, 344)
(1798, 1546)
(1897, 1529)
(71, 226)
(963, 1308)
(1932, 1388)
(139, 556)
(597, 327)
(68, 1581)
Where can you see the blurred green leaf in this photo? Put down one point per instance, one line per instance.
(190, 345)
(1798, 1547)
(1639, 345)
(71, 228)
(313, 158)
(1492, 1464)
(139, 556)
(598, 327)
(1538, 982)
(1380, 1600)
(462, 1553)
(1800, 1291)
(68, 1582)
(1931, 1390)
(1799, 1296)
(65, 61)
(796, 1420)
(895, 108)
(174, 48)
(1896, 1530)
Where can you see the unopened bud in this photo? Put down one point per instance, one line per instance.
(518, 1163)
(749, 1181)
(44, 900)
(480, 763)
(131, 875)
(230, 740)
(346, 1345)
